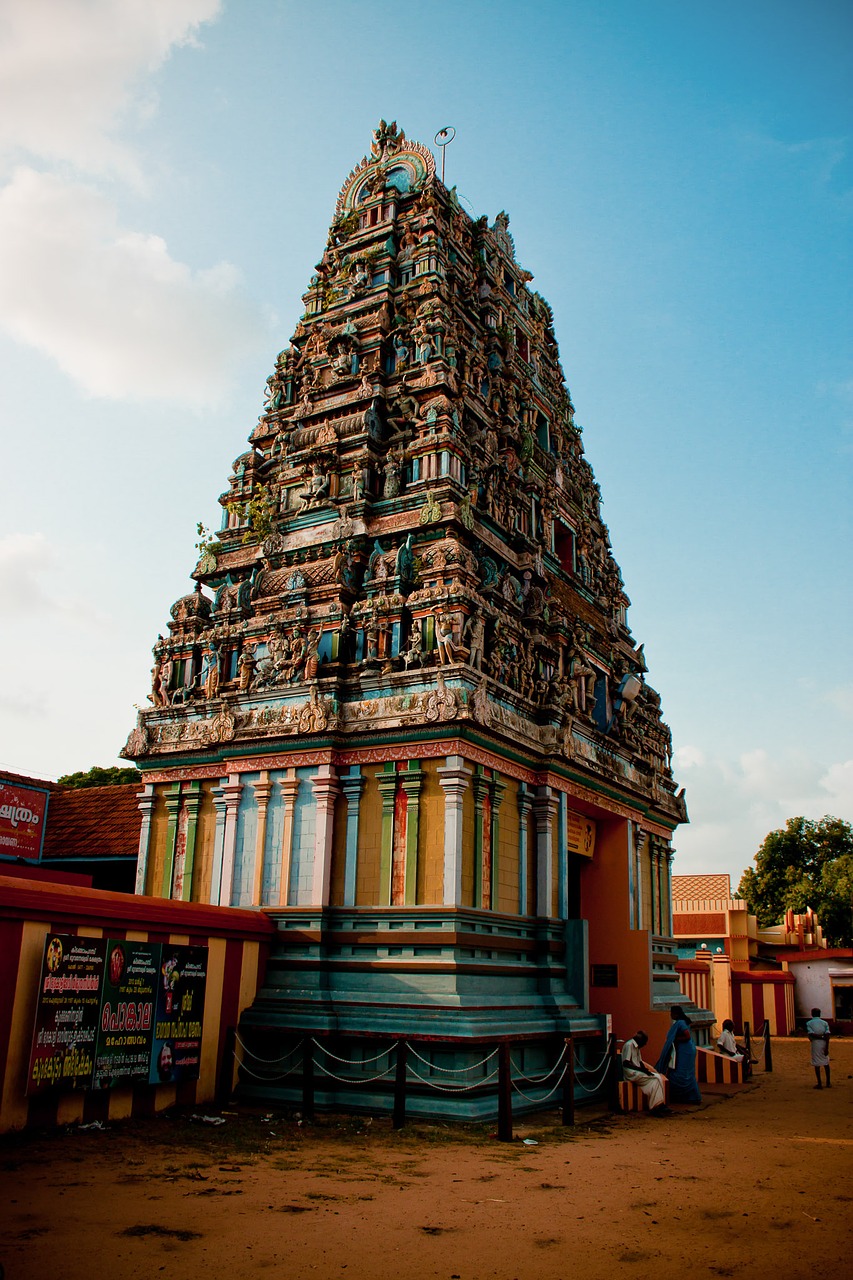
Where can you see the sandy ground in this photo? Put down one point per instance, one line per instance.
(756, 1183)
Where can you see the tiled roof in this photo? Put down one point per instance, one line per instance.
(93, 822)
(714, 886)
(22, 780)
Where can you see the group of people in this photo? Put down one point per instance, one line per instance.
(677, 1061)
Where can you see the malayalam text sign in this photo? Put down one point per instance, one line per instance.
(69, 1002)
(126, 1026)
(176, 1051)
(22, 816)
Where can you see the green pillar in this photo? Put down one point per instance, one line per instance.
(192, 800)
(173, 804)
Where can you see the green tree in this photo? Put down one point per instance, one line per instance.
(808, 864)
(98, 777)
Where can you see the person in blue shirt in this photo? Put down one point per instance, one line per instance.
(678, 1059)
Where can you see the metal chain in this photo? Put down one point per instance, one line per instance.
(449, 1070)
(353, 1062)
(272, 1062)
(539, 1079)
(548, 1095)
(265, 1079)
(455, 1088)
(354, 1079)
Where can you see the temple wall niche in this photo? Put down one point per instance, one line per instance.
(468, 871)
(646, 886)
(244, 856)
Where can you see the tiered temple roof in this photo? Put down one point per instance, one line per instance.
(413, 538)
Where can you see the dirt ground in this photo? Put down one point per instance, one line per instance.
(755, 1182)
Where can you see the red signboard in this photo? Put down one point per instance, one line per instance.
(22, 815)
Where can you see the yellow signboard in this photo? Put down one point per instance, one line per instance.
(580, 834)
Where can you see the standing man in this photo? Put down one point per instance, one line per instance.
(638, 1072)
(817, 1030)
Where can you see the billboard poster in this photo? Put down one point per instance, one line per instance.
(126, 1025)
(181, 984)
(22, 818)
(68, 1012)
(111, 1011)
(580, 834)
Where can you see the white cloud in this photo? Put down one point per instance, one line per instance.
(24, 557)
(687, 757)
(734, 803)
(71, 69)
(115, 311)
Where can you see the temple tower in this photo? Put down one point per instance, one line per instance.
(402, 711)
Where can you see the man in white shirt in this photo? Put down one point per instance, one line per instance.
(817, 1030)
(638, 1072)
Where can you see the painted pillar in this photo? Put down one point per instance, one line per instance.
(454, 777)
(544, 809)
(145, 804)
(263, 791)
(289, 788)
(525, 800)
(411, 782)
(218, 842)
(173, 804)
(669, 925)
(230, 792)
(352, 785)
(633, 920)
(639, 840)
(326, 789)
(482, 858)
(498, 789)
(562, 840)
(386, 781)
(192, 800)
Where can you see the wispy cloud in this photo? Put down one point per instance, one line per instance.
(71, 71)
(115, 311)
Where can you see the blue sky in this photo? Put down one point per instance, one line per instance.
(678, 178)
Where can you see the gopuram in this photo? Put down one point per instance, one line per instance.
(402, 711)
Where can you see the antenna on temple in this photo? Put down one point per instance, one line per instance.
(443, 139)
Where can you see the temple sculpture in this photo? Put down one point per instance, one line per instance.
(402, 710)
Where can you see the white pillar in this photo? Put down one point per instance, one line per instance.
(454, 777)
(145, 802)
(544, 809)
(230, 792)
(326, 788)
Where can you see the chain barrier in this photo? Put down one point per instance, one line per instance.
(449, 1070)
(353, 1062)
(453, 1088)
(270, 1062)
(354, 1079)
(600, 1069)
(581, 1067)
(548, 1095)
(538, 1079)
(266, 1079)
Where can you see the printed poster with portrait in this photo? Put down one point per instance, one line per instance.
(68, 1013)
(179, 1014)
(126, 1028)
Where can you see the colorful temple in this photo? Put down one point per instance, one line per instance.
(402, 711)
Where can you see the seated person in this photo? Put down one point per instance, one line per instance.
(727, 1045)
(640, 1073)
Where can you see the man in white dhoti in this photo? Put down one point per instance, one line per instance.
(640, 1073)
(817, 1030)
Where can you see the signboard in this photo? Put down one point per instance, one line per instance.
(111, 1012)
(69, 1005)
(580, 834)
(126, 1027)
(176, 1050)
(22, 816)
